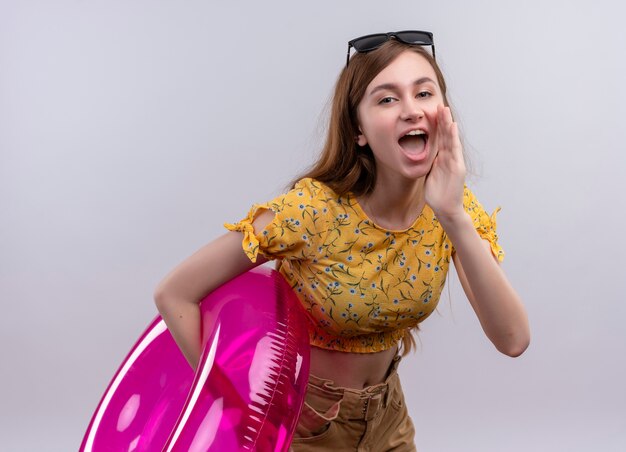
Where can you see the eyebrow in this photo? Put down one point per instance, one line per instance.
(393, 86)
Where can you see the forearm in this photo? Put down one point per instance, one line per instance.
(498, 307)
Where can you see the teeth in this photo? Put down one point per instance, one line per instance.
(416, 132)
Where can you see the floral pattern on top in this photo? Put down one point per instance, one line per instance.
(362, 286)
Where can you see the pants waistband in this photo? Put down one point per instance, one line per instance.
(357, 403)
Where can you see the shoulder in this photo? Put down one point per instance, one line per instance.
(314, 189)
(484, 223)
(307, 194)
(309, 203)
(471, 204)
(469, 199)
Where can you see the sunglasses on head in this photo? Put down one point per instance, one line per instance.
(368, 43)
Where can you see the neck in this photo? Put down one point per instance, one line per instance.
(395, 203)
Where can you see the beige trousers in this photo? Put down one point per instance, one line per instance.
(342, 419)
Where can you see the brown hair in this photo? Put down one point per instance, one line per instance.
(343, 165)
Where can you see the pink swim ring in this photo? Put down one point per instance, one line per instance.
(246, 394)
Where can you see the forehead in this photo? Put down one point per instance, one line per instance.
(404, 70)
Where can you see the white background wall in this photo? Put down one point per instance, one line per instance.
(130, 131)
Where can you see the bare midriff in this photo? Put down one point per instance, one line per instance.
(351, 370)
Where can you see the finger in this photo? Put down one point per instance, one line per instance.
(433, 119)
(455, 144)
(444, 115)
(444, 128)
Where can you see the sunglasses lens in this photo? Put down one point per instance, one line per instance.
(367, 43)
(414, 37)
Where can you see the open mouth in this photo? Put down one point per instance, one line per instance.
(414, 142)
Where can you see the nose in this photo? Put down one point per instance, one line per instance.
(411, 111)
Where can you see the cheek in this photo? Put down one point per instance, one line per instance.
(432, 104)
(380, 122)
(379, 135)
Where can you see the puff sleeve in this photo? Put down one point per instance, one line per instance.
(485, 224)
(295, 230)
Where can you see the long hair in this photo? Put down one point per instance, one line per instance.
(343, 165)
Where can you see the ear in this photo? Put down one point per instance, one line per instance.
(360, 139)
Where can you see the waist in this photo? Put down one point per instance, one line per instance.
(353, 370)
(355, 403)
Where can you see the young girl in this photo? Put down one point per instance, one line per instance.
(365, 239)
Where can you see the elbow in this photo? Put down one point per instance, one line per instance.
(168, 300)
(515, 348)
(162, 298)
(514, 338)
(516, 351)
(159, 297)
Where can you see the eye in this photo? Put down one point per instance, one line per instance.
(424, 94)
(386, 100)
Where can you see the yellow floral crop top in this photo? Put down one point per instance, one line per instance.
(363, 286)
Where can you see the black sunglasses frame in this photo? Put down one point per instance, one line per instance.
(384, 37)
